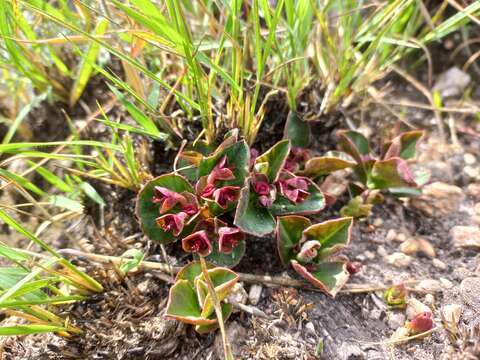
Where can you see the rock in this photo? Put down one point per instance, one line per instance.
(469, 159)
(391, 235)
(451, 313)
(415, 307)
(237, 296)
(382, 251)
(429, 300)
(430, 286)
(377, 222)
(473, 172)
(409, 246)
(469, 290)
(425, 247)
(310, 329)
(473, 190)
(447, 284)
(396, 320)
(466, 236)
(440, 265)
(255, 294)
(236, 334)
(370, 255)
(401, 237)
(399, 259)
(452, 82)
(438, 199)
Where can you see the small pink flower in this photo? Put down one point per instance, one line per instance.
(190, 209)
(228, 238)
(291, 166)
(420, 323)
(173, 223)
(261, 187)
(309, 251)
(266, 191)
(294, 189)
(167, 198)
(220, 172)
(225, 195)
(197, 242)
(300, 154)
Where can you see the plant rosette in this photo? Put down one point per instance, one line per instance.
(190, 302)
(312, 250)
(218, 196)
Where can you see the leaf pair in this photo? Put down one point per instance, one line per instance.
(255, 218)
(190, 302)
(311, 250)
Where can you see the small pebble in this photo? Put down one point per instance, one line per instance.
(391, 235)
(447, 284)
(381, 251)
(399, 259)
(469, 159)
(369, 254)
(377, 222)
(430, 286)
(409, 246)
(440, 265)
(426, 248)
(429, 300)
(255, 293)
(401, 237)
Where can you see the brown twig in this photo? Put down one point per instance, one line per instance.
(248, 278)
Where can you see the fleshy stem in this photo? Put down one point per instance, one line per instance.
(218, 310)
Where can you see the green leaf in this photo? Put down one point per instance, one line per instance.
(29, 329)
(404, 145)
(85, 69)
(289, 233)
(271, 162)
(330, 277)
(148, 212)
(228, 260)
(66, 203)
(131, 259)
(183, 305)
(190, 271)
(354, 144)
(333, 235)
(394, 172)
(356, 208)
(227, 310)
(328, 163)
(313, 204)
(252, 218)
(223, 281)
(297, 130)
(238, 157)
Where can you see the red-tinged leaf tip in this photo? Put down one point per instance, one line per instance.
(329, 277)
(220, 172)
(173, 223)
(228, 238)
(226, 195)
(294, 189)
(198, 242)
(354, 267)
(309, 251)
(421, 323)
(166, 198)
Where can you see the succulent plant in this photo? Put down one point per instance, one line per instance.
(312, 250)
(189, 300)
